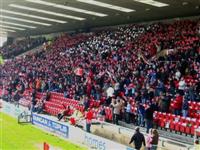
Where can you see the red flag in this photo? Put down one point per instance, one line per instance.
(46, 146)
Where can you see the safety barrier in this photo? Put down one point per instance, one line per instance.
(127, 131)
(76, 134)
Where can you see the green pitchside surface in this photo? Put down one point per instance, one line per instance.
(14, 136)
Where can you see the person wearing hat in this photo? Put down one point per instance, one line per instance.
(138, 139)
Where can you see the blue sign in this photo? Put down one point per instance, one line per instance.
(50, 125)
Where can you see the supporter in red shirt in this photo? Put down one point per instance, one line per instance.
(72, 121)
(88, 117)
(178, 104)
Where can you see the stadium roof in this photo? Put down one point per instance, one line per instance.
(33, 17)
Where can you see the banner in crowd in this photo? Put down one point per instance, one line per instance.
(50, 125)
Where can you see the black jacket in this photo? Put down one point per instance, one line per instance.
(138, 139)
(149, 113)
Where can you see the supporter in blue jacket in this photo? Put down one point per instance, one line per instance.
(141, 115)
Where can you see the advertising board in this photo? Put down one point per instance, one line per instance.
(50, 125)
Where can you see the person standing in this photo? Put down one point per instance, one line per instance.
(149, 118)
(149, 140)
(16, 98)
(185, 107)
(141, 114)
(166, 102)
(33, 100)
(178, 104)
(102, 113)
(88, 117)
(128, 112)
(155, 139)
(116, 111)
(138, 139)
(39, 106)
(9, 93)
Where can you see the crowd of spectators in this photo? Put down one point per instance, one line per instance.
(20, 46)
(119, 68)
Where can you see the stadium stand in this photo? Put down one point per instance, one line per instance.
(91, 69)
(21, 46)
